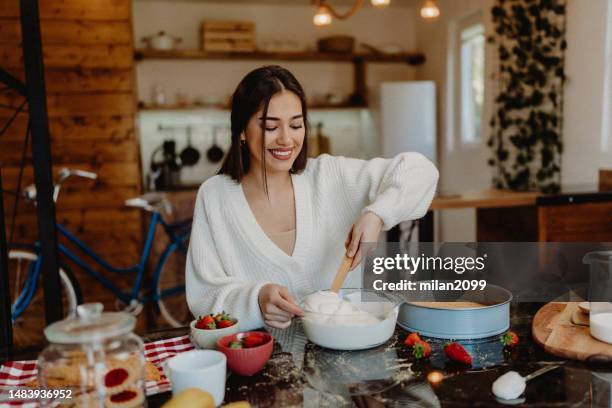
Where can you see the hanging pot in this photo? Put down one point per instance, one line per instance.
(214, 153)
(189, 155)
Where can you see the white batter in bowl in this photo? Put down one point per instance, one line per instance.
(354, 319)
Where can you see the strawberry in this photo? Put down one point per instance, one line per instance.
(235, 345)
(509, 339)
(222, 316)
(252, 340)
(412, 339)
(222, 324)
(456, 352)
(421, 349)
(206, 323)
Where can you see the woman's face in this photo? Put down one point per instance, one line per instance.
(284, 133)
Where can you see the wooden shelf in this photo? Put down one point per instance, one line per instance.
(147, 107)
(359, 96)
(407, 58)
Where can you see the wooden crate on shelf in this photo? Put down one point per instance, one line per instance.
(227, 36)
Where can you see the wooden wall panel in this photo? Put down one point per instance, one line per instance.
(89, 72)
(67, 56)
(77, 80)
(71, 32)
(73, 9)
(107, 128)
(80, 104)
(78, 151)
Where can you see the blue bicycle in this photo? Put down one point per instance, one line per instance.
(166, 288)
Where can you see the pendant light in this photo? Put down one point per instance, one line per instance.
(322, 16)
(430, 10)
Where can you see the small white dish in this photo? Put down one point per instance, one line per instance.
(203, 369)
(207, 339)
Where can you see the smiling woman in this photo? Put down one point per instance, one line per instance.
(272, 227)
(250, 114)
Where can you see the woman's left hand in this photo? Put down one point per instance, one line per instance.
(366, 229)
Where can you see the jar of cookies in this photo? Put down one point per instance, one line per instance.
(94, 359)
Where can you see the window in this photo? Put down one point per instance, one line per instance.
(471, 80)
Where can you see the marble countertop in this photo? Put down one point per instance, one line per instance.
(303, 374)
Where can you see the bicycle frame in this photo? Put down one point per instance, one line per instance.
(177, 232)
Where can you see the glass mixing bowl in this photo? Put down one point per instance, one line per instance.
(370, 325)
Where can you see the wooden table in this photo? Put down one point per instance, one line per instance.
(484, 199)
(513, 216)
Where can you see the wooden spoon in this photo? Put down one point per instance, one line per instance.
(341, 274)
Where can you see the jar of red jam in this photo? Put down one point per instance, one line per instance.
(94, 359)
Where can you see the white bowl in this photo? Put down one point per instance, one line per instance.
(207, 339)
(347, 336)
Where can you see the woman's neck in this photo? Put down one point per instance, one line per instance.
(275, 181)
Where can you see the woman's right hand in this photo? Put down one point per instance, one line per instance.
(277, 306)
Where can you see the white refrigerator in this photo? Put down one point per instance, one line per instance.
(408, 113)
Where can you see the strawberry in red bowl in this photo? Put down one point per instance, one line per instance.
(247, 352)
(207, 329)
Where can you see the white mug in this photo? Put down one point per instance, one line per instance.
(203, 369)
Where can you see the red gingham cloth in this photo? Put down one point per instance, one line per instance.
(17, 373)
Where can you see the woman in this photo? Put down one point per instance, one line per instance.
(272, 226)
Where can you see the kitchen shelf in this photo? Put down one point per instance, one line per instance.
(147, 107)
(408, 58)
(359, 97)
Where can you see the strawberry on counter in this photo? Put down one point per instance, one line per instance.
(412, 339)
(456, 352)
(509, 339)
(421, 349)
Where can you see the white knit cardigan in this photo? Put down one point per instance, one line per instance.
(230, 257)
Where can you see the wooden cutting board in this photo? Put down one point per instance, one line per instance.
(552, 328)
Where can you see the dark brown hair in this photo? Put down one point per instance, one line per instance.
(254, 92)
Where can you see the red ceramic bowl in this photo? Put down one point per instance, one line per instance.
(246, 361)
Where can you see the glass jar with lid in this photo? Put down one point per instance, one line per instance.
(600, 294)
(96, 357)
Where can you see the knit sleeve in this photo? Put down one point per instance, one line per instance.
(209, 288)
(397, 189)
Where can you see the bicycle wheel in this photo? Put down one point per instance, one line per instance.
(170, 286)
(27, 296)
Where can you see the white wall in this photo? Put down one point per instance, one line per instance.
(353, 132)
(585, 66)
(461, 167)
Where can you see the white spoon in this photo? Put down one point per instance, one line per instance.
(510, 386)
